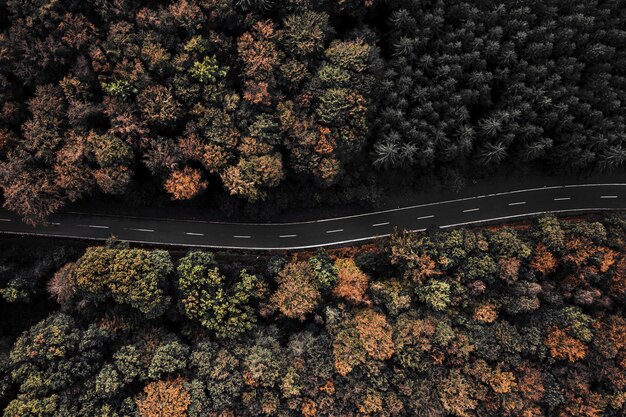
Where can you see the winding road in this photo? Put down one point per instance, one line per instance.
(497, 207)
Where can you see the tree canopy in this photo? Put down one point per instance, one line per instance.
(466, 322)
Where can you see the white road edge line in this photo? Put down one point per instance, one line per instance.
(562, 198)
(334, 231)
(323, 244)
(608, 196)
(288, 235)
(470, 210)
(426, 217)
(380, 224)
(242, 237)
(194, 234)
(518, 203)
(141, 230)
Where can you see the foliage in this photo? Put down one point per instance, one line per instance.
(298, 290)
(257, 94)
(130, 276)
(351, 281)
(164, 399)
(207, 70)
(185, 184)
(459, 322)
(208, 297)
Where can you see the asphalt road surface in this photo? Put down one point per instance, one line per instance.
(498, 207)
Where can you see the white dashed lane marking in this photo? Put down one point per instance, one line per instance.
(426, 217)
(97, 227)
(518, 203)
(5, 220)
(470, 210)
(380, 224)
(288, 235)
(242, 237)
(334, 231)
(142, 230)
(609, 196)
(194, 234)
(562, 199)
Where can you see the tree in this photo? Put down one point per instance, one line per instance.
(352, 283)
(207, 70)
(49, 358)
(375, 334)
(348, 352)
(169, 358)
(455, 394)
(158, 105)
(486, 313)
(166, 398)
(435, 293)
(298, 290)
(185, 184)
(110, 150)
(564, 346)
(258, 50)
(113, 180)
(325, 271)
(32, 195)
(250, 176)
(305, 33)
(206, 296)
(130, 276)
(543, 261)
(61, 286)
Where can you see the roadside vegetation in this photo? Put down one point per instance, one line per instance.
(241, 104)
(522, 321)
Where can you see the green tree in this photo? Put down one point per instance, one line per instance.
(136, 277)
(435, 293)
(324, 268)
(207, 70)
(110, 150)
(48, 359)
(208, 297)
(169, 358)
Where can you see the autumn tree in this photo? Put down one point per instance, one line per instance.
(165, 398)
(352, 283)
(375, 333)
(185, 184)
(564, 346)
(543, 260)
(250, 177)
(298, 290)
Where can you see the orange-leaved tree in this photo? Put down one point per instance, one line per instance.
(563, 346)
(166, 398)
(185, 184)
(352, 283)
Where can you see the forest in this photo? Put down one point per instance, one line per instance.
(525, 320)
(241, 104)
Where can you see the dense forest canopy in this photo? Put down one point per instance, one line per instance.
(485, 322)
(251, 100)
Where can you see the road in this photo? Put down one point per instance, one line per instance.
(497, 207)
